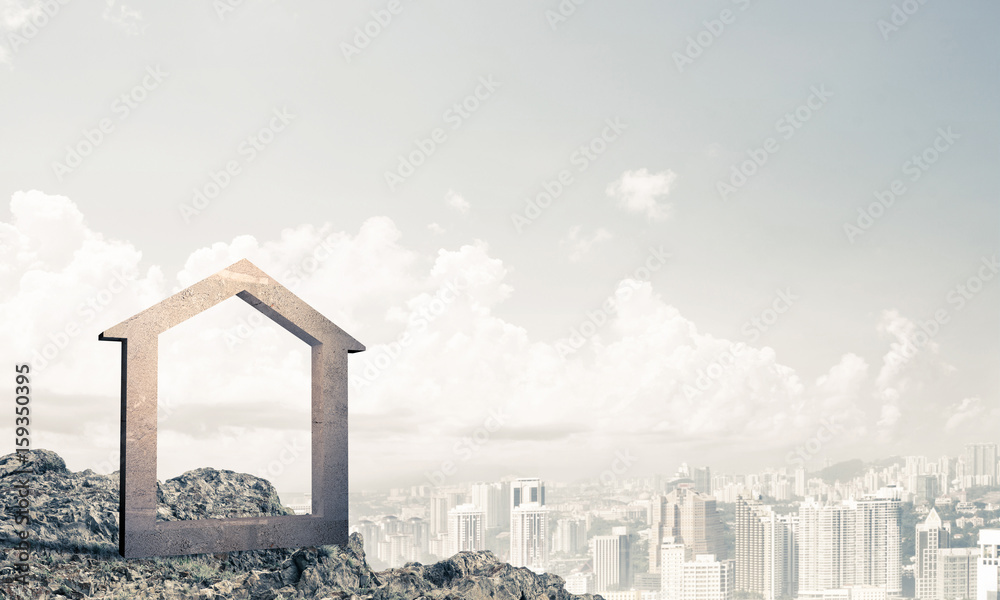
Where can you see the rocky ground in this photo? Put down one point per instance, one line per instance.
(75, 539)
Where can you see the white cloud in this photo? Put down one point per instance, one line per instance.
(440, 359)
(640, 191)
(911, 362)
(457, 202)
(577, 245)
(435, 229)
(964, 413)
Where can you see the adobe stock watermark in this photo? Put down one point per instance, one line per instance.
(713, 30)
(898, 17)
(582, 158)
(957, 297)
(752, 329)
(759, 324)
(420, 319)
(365, 34)
(248, 150)
(601, 316)
(828, 429)
(86, 312)
(289, 454)
(914, 167)
(468, 447)
(121, 107)
(425, 147)
(246, 327)
(620, 465)
(786, 127)
(43, 14)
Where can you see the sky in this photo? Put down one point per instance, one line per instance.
(574, 236)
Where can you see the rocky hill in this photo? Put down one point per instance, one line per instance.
(74, 554)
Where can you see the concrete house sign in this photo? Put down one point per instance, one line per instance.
(140, 534)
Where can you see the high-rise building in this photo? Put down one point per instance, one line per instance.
(612, 561)
(529, 525)
(494, 499)
(439, 513)
(527, 491)
(570, 536)
(931, 536)
(465, 529)
(957, 573)
(854, 543)
(703, 480)
(689, 515)
(673, 556)
(706, 578)
(980, 464)
(766, 561)
(988, 572)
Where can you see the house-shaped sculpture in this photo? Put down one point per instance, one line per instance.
(140, 534)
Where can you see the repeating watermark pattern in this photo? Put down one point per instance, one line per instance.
(713, 30)
(705, 377)
(420, 320)
(366, 34)
(581, 158)
(601, 316)
(828, 429)
(46, 11)
(249, 149)
(759, 324)
(87, 311)
(957, 297)
(620, 465)
(752, 329)
(246, 327)
(468, 447)
(899, 17)
(914, 167)
(122, 107)
(425, 147)
(786, 127)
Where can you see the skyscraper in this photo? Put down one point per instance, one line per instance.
(526, 491)
(931, 536)
(689, 515)
(980, 464)
(570, 536)
(855, 543)
(957, 573)
(612, 561)
(494, 499)
(988, 573)
(703, 480)
(465, 529)
(529, 525)
(673, 556)
(766, 551)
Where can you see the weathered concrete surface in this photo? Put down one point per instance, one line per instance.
(140, 534)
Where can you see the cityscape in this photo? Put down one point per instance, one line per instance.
(902, 527)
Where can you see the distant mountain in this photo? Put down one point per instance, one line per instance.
(842, 471)
(75, 541)
(849, 469)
